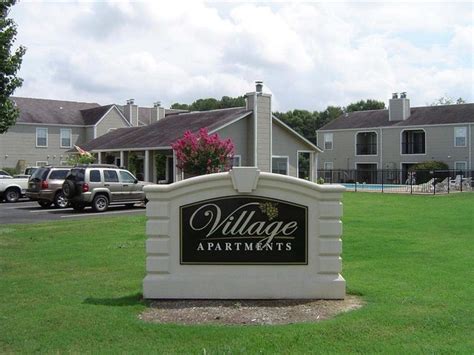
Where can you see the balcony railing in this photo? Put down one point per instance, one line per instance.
(413, 148)
(366, 149)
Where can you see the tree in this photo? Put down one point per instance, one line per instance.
(10, 62)
(302, 121)
(211, 104)
(201, 153)
(365, 105)
(447, 100)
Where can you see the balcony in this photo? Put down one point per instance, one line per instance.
(413, 142)
(366, 149)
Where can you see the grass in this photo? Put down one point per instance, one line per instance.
(75, 287)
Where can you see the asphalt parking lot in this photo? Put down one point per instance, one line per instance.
(26, 211)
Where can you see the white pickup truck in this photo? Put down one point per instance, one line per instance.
(12, 189)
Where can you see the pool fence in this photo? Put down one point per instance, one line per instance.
(400, 180)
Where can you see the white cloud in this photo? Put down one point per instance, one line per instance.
(309, 54)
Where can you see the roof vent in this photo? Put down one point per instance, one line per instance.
(258, 85)
(130, 101)
(395, 95)
(157, 104)
(403, 95)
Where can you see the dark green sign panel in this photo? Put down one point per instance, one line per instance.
(244, 230)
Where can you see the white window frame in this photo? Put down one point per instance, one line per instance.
(401, 140)
(36, 142)
(465, 136)
(287, 163)
(239, 157)
(326, 163)
(69, 130)
(376, 144)
(327, 141)
(460, 162)
(41, 163)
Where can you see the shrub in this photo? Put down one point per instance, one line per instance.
(80, 159)
(201, 153)
(430, 165)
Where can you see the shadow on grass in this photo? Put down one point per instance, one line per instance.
(125, 301)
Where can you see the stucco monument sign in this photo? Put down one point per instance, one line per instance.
(244, 234)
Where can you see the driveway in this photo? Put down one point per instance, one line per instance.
(26, 211)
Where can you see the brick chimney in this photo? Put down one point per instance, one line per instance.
(398, 107)
(260, 150)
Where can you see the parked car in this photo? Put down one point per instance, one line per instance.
(5, 175)
(12, 189)
(99, 185)
(46, 186)
(29, 170)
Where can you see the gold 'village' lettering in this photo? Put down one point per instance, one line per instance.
(239, 223)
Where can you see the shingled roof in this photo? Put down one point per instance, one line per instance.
(166, 131)
(52, 111)
(427, 115)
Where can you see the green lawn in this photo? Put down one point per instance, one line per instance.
(75, 287)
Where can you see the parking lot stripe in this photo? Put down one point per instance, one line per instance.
(101, 213)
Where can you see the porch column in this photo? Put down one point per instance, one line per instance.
(146, 164)
(153, 167)
(99, 158)
(311, 167)
(315, 155)
(122, 157)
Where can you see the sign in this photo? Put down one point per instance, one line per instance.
(243, 230)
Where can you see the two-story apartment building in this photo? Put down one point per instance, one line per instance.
(260, 139)
(398, 137)
(47, 129)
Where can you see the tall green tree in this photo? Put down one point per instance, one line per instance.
(10, 62)
(447, 100)
(211, 104)
(365, 105)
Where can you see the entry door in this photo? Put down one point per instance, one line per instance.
(111, 181)
(367, 173)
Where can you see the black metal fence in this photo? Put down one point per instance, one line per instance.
(401, 180)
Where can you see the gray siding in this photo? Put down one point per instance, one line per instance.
(19, 143)
(439, 146)
(286, 144)
(89, 134)
(112, 120)
(238, 132)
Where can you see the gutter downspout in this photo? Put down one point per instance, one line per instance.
(470, 147)
(381, 149)
(255, 129)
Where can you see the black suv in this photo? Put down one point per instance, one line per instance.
(99, 185)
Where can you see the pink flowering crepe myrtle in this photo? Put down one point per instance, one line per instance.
(201, 153)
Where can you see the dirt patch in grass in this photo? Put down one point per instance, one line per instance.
(247, 312)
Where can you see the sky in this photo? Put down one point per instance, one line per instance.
(308, 54)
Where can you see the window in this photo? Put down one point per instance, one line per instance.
(41, 137)
(366, 143)
(94, 176)
(126, 177)
(235, 161)
(460, 134)
(328, 165)
(460, 165)
(110, 176)
(58, 174)
(328, 141)
(280, 165)
(65, 138)
(413, 142)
